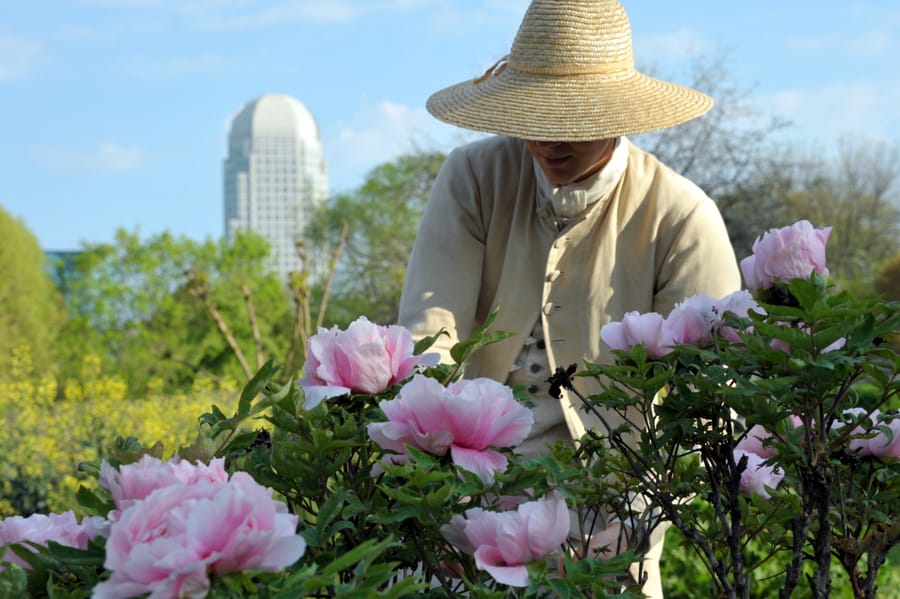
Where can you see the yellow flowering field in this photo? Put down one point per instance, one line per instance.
(44, 439)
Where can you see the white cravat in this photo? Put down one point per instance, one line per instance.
(566, 201)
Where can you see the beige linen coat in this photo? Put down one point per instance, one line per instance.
(483, 242)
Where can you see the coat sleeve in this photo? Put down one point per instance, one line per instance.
(443, 276)
(698, 258)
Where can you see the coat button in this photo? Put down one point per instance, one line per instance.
(548, 308)
(552, 276)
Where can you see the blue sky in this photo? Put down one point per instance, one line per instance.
(114, 113)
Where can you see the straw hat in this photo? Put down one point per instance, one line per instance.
(570, 76)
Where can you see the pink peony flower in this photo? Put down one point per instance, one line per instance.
(245, 528)
(872, 440)
(882, 446)
(783, 254)
(467, 418)
(39, 528)
(692, 322)
(635, 329)
(739, 303)
(366, 358)
(167, 543)
(503, 543)
(756, 476)
(133, 482)
(753, 442)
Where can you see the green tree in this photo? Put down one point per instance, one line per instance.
(727, 146)
(30, 306)
(168, 308)
(382, 216)
(856, 194)
(887, 282)
(727, 152)
(755, 206)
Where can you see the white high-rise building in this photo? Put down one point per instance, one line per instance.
(275, 175)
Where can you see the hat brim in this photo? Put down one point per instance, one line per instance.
(568, 108)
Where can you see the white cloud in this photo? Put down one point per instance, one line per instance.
(176, 66)
(863, 108)
(874, 43)
(378, 134)
(106, 157)
(673, 47)
(809, 42)
(17, 56)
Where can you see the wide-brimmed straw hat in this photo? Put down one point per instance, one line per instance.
(569, 76)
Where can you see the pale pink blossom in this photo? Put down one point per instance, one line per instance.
(740, 304)
(365, 358)
(856, 444)
(872, 440)
(753, 442)
(132, 482)
(468, 418)
(882, 445)
(168, 543)
(504, 543)
(692, 322)
(697, 319)
(40, 529)
(638, 329)
(756, 476)
(784, 254)
(147, 550)
(755, 439)
(245, 528)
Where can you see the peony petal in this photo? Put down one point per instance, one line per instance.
(316, 394)
(283, 553)
(455, 533)
(489, 559)
(483, 463)
(748, 269)
(753, 442)
(390, 435)
(547, 523)
(613, 335)
(482, 526)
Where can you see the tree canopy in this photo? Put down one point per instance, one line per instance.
(30, 306)
(168, 308)
(382, 216)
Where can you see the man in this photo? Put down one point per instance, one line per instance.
(559, 219)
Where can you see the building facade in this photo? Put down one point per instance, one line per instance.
(274, 176)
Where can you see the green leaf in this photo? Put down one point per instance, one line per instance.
(214, 417)
(479, 338)
(425, 343)
(93, 556)
(255, 386)
(92, 503)
(330, 510)
(366, 551)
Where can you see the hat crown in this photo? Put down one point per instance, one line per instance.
(567, 37)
